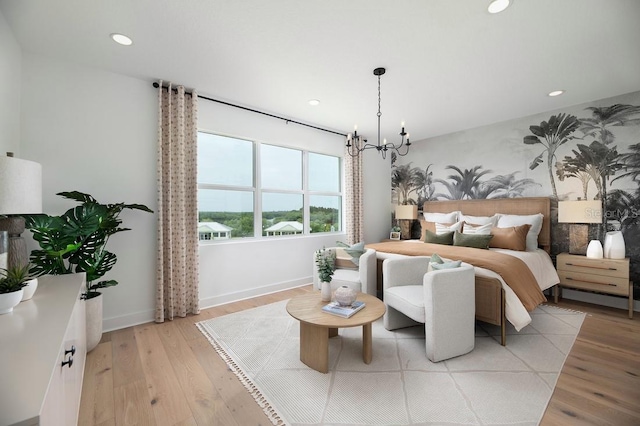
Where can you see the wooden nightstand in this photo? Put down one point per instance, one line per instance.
(610, 276)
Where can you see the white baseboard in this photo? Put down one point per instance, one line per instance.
(600, 299)
(124, 321)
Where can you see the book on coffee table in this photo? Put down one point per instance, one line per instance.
(334, 308)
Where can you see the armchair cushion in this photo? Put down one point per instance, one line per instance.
(409, 299)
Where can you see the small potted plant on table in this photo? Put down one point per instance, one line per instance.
(12, 282)
(325, 260)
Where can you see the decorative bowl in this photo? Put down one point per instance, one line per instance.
(345, 296)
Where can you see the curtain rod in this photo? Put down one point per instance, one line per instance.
(156, 85)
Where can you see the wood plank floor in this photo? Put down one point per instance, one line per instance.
(168, 374)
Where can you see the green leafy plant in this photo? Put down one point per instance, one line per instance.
(325, 259)
(76, 241)
(13, 279)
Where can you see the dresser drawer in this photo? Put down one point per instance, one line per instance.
(590, 281)
(606, 267)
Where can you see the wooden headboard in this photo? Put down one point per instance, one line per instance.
(489, 207)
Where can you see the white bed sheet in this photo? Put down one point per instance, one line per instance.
(538, 262)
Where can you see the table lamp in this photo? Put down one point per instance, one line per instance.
(578, 214)
(405, 215)
(20, 193)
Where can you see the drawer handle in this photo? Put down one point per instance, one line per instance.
(592, 267)
(590, 282)
(68, 362)
(71, 351)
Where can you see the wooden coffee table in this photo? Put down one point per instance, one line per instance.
(316, 327)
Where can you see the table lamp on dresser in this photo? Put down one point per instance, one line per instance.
(20, 193)
(579, 214)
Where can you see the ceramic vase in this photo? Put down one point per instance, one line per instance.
(345, 296)
(594, 249)
(614, 247)
(325, 291)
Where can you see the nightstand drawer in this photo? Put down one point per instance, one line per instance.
(589, 281)
(606, 267)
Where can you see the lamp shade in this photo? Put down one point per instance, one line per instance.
(407, 212)
(588, 211)
(20, 186)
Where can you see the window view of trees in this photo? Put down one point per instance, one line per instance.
(289, 180)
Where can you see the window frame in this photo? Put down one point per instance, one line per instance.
(258, 192)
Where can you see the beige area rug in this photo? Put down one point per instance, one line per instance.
(492, 385)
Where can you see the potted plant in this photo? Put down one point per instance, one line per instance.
(325, 260)
(76, 242)
(12, 282)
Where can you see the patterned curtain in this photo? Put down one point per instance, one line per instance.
(353, 197)
(177, 267)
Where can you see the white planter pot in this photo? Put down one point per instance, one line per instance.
(325, 291)
(9, 300)
(94, 321)
(29, 289)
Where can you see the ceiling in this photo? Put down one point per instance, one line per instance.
(450, 64)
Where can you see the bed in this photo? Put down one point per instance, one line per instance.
(496, 302)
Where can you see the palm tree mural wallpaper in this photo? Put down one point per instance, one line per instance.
(590, 151)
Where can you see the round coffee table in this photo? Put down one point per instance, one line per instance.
(316, 327)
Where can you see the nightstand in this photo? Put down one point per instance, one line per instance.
(609, 276)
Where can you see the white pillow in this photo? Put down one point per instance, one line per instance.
(477, 229)
(441, 228)
(441, 217)
(479, 220)
(535, 220)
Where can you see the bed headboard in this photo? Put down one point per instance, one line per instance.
(488, 207)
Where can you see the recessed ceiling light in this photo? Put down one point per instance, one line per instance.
(498, 6)
(121, 39)
(556, 93)
(314, 102)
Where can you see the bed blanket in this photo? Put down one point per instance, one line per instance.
(515, 273)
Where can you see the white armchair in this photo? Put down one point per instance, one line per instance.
(443, 300)
(361, 279)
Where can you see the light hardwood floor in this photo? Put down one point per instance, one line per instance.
(168, 374)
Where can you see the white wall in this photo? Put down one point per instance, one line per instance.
(95, 132)
(10, 66)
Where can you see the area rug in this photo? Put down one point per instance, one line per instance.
(492, 385)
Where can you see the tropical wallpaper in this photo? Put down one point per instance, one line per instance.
(589, 152)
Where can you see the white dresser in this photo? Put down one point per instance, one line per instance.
(35, 339)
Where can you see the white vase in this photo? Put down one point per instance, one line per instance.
(345, 296)
(614, 247)
(9, 300)
(325, 291)
(29, 289)
(594, 249)
(94, 321)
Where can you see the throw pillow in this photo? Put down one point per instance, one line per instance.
(355, 251)
(471, 240)
(433, 238)
(512, 238)
(441, 217)
(471, 228)
(479, 220)
(436, 263)
(535, 220)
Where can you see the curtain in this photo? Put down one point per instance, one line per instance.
(177, 262)
(353, 197)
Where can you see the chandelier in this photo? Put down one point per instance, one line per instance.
(356, 144)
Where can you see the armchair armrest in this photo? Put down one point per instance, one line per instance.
(404, 271)
(367, 270)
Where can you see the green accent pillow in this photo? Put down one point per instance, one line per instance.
(445, 238)
(446, 265)
(355, 251)
(436, 259)
(472, 240)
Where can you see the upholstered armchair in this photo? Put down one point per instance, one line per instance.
(361, 277)
(443, 300)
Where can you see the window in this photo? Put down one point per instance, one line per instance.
(252, 189)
